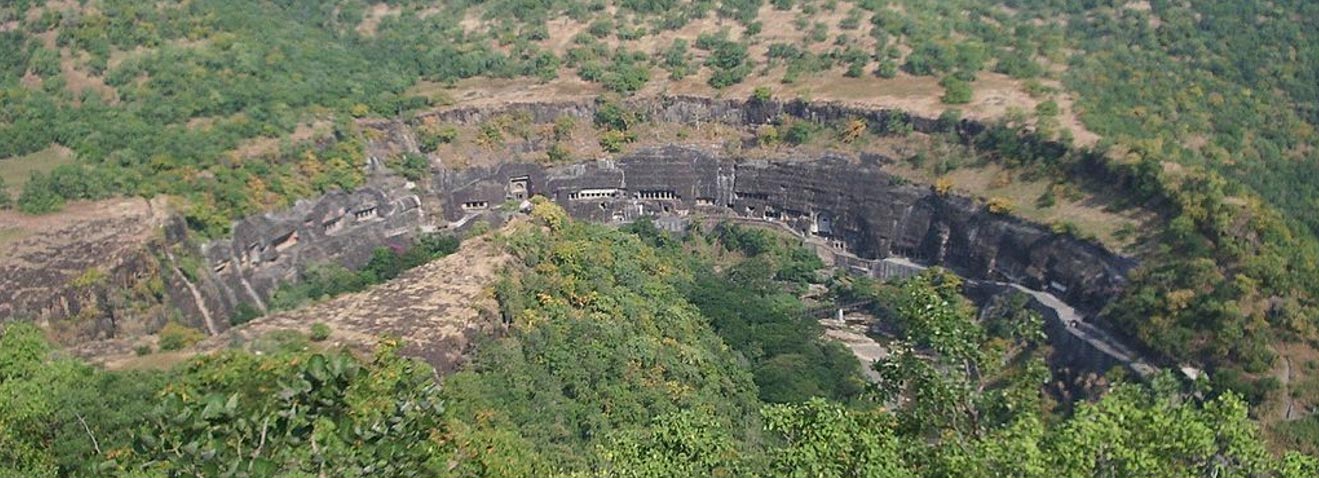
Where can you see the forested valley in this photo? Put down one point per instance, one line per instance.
(638, 353)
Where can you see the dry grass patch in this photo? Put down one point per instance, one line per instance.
(17, 170)
(1092, 214)
(265, 146)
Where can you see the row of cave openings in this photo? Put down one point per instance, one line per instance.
(333, 224)
(818, 223)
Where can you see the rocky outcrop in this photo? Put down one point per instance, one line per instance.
(438, 310)
(244, 270)
(88, 273)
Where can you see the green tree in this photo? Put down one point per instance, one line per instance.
(5, 201)
(955, 91)
(824, 439)
(681, 443)
(305, 413)
(40, 195)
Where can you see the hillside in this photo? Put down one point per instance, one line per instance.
(186, 187)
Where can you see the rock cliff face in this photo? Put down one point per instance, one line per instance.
(86, 274)
(245, 269)
(851, 203)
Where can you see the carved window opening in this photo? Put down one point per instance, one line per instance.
(286, 241)
(657, 194)
(593, 194)
(471, 205)
(823, 224)
(704, 201)
(365, 214)
(333, 225)
(519, 187)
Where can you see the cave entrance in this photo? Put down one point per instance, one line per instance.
(519, 187)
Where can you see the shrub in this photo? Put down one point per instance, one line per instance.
(39, 196)
(887, 69)
(563, 126)
(943, 186)
(1047, 200)
(1066, 228)
(852, 129)
(600, 28)
(949, 119)
(141, 350)
(762, 94)
(411, 166)
(491, 135)
(799, 132)
(1047, 109)
(548, 213)
(477, 228)
(999, 205)
(767, 135)
(956, 91)
(558, 153)
(753, 29)
(319, 332)
(613, 141)
(431, 137)
(90, 277)
(175, 336)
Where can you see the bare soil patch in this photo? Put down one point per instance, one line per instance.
(374, 15)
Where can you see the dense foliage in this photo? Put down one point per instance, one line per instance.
(753, 305)
(608, 370)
